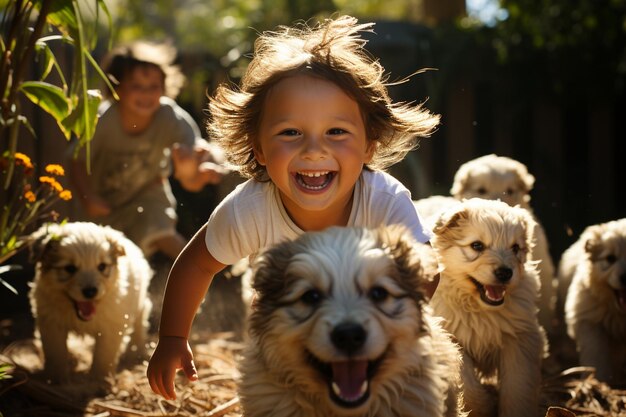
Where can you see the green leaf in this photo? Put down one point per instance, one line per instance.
(50, 61)
(50, 98)
(83, 119)
(4, 371)
(63, 17)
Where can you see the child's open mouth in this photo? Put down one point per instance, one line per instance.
(314, 181)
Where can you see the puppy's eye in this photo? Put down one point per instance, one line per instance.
(515, 248)
(611, 258)
(312, 297)
(102, 267)
(378, 294)
(478, 246)
(482, 191)
(70, 269)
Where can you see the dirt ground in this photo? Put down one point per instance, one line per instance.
(566, 390)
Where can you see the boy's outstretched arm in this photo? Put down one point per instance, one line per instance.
(187, 284)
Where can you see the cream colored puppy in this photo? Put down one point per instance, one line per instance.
(89, 280)
(495, 177)
(340, 326)
(595, 307)
(487, 295)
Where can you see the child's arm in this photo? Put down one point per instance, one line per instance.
(94, 205)
(187, 285)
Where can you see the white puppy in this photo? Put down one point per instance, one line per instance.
(89, 280)
(340, 327)
(487, 295)
(495, 177)
(595, 307)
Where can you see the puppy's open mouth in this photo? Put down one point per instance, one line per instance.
(492, 295)
(85, 310)
(348, 381)
(620, 296)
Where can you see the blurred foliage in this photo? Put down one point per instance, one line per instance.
(559, 48)
(33, 35)
(564, 49)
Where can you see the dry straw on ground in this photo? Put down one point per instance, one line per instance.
(574, 392)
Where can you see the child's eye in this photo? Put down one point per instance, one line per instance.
(289, 132)
(337, 131)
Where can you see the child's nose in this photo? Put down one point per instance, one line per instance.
(313, 147)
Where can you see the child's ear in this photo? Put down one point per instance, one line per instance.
(369, 152)
(258, 155)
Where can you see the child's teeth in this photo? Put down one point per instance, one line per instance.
(314, 174)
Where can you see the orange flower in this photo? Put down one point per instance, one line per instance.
(65, 195)
(55, 169)
(52, 182)
(22, 159)
(30, 196)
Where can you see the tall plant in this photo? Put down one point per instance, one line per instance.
(29, 28)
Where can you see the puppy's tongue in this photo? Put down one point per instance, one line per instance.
(350, 379)
(621, 299)
(85, 309)
(495, 292)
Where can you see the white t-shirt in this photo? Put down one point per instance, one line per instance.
(252, 217)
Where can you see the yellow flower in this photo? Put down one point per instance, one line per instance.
(30, 196)
(52, 182)
(55, 169)
(65, 195)
(23, 159)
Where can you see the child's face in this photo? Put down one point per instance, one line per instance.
(313, 144)
(140, 91)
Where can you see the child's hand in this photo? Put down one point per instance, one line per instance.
(171, 354)
(198, 167)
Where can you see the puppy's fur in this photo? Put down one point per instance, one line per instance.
(487, 295)
(495, 177)
(89, 280)
(595, 307)
(340, 327)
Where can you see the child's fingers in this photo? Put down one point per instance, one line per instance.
(167, 384)
(190, 370)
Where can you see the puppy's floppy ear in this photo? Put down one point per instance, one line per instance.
(526, 179)
(415, 270)
(592, 236)
(43, 240)
(529, 226)
(449, 219)
(459, 185)
(114, 237)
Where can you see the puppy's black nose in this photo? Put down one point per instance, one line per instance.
(90, 292)
(503, 274)
(622, 279)
(348, 337)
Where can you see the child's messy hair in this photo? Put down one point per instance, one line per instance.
(124, 59)
(334, 51)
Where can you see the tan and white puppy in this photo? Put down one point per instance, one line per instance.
(89, 280)
(495, 177)
(487, 295)
(595, 307)
(340, 326)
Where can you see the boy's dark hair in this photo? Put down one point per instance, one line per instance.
(333, 51)
(126, 58)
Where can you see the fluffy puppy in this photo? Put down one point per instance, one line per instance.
(595, 307)
(89, 280)
(495, 177)
(340, 327)
(487, 295)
